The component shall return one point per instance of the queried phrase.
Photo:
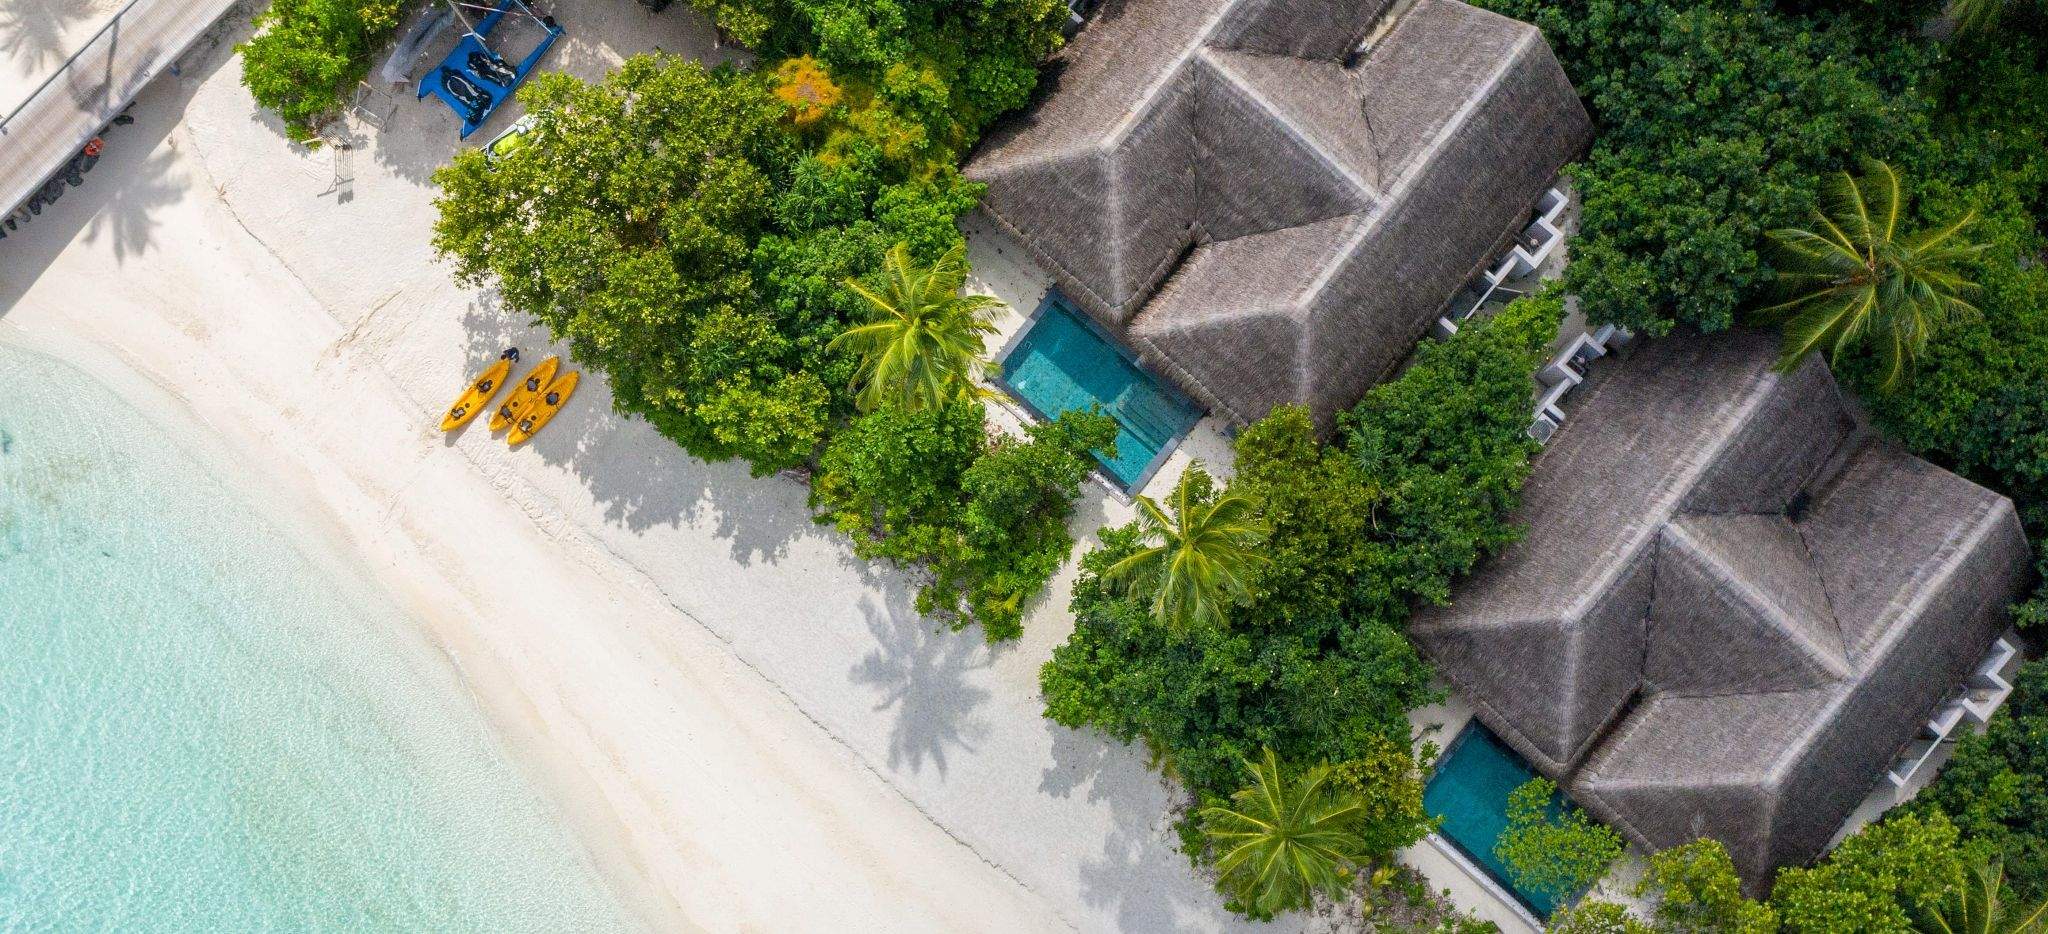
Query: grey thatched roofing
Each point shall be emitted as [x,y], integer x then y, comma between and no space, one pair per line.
[1734,606]
[1262,223]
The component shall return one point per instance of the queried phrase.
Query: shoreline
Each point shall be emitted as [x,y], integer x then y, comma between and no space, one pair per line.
[654,744]
[747,725]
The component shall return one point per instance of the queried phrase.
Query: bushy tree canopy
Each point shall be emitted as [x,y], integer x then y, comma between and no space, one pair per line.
[307,56]
[1550,845]
[1314,664]
[985,516]
[1715,120]
[1995,787]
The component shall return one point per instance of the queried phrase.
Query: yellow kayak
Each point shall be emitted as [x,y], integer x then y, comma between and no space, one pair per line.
[543,409]
[523,395]
[473,400]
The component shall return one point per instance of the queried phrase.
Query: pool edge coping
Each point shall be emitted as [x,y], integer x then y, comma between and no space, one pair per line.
[1000,379]
[1462,857]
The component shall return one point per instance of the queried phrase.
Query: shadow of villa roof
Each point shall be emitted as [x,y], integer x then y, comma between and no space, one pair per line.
[1211,182]
[1733,607]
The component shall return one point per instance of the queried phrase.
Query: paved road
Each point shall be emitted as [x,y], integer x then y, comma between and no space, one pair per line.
[52,125]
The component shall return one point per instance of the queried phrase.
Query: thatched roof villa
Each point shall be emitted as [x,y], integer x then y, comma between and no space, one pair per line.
[1734,606]
[1271,200]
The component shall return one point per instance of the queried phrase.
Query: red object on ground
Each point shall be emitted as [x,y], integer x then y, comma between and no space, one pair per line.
[93,148]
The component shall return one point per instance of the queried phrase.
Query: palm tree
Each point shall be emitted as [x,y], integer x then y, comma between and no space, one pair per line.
[1977,906]
[922,347]
[1199,559]
[1281,841]
[1854,279]
[1978,17]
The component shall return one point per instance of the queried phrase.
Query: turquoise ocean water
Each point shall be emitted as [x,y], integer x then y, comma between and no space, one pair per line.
[203,728]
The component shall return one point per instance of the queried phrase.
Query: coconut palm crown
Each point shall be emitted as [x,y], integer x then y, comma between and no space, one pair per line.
[1280,840]
[1977,905]
[1199,557]
[1853,279]
[923,346]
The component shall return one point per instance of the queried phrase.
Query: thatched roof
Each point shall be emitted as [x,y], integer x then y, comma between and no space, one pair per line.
[1734,606]
[1211,182]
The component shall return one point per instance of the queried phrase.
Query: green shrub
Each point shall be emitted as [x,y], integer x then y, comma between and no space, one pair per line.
[308,55]
[1550,845]
[1697,891]
[987,519]
[1316,666]
[1714,121]
[1995,787]
[1596,917]
[1876,882]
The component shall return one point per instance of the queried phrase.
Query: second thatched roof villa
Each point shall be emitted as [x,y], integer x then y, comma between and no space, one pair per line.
[1736,607]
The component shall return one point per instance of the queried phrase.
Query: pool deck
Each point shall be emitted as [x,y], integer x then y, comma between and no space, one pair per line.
[1002,269]
[1465,884]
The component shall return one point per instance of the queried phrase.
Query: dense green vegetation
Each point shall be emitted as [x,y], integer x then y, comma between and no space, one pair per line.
[1551,846]
[987,517]
[923,345]
[1196,561]
[1311,660]
[945,67]
[1715,121]
[765,264]
[308,55]
[1904,875]
[1995,788]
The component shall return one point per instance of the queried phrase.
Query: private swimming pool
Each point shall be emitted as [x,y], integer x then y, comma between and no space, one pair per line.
[1469,791]
[1060,362]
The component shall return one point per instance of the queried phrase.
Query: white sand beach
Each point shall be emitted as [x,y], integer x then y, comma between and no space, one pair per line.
[748,727]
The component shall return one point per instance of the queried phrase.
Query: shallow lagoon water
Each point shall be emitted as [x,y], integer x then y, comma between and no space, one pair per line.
[206,728]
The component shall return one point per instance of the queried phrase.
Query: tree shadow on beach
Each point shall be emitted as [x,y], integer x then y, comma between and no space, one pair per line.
[35,34]
[642,480]
[1140,872]
[920,672]
[122,196]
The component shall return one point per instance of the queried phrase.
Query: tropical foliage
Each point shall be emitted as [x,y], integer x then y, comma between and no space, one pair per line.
[1550,845]
[1853,278]
[1596,917]
[1697,892]
[923,345]
[1313,663]
[985,516]
[1196,561]
[1884,879]
[1995,787]
[947,66]
[308,55]
[1980,903]
[1715,121]
[1284,838]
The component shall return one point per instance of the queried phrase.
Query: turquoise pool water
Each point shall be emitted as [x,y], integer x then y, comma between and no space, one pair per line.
[1061,364]
[1469,791]
[205,729]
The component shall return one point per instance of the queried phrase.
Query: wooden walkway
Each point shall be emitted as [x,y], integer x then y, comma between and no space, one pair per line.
[56,121]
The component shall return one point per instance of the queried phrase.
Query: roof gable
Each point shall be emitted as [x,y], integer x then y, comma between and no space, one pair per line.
[1176,125]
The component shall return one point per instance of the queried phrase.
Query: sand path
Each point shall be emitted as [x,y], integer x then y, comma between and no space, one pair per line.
[750,727]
